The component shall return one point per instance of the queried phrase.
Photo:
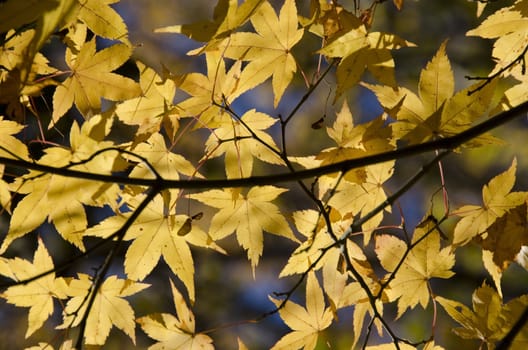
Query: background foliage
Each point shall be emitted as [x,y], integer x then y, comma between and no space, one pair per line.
[263,174]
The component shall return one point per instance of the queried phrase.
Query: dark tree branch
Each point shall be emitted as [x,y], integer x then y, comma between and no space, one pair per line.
[447,143]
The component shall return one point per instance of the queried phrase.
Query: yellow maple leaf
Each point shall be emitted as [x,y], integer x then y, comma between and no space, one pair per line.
[497,200]
[233,139]
[311,225]
[425,260]
[306,323]
[59,198]
[509,25]
[10,146]
[247,215]
[490,320]
[91,79]
[359,49]
[506,236]
[153,106]
[353,199]
[102,19]
[5,194]
[157,233]
[435,112]
[66,345]
[37,295]
[109,308]
[504,240]
[354,141]
[175,332]
[209,92]
[167,163]
[269,49]
[228,16]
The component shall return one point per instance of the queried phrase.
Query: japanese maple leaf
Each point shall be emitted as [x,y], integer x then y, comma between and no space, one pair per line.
[92,78]
[358,50]
[175,332]
[497,200]
[509,26]
[247,215]
[10,146]
[355,199]
[504,240]
[156,233]
[269,49]
[209,92]
[425,260]
[167,163]
[436,111]
[153,106]
[102,19]
[61,199]
[306,323]
[109,308]
[228,16]
[37,295]
[236,142]
[490,320]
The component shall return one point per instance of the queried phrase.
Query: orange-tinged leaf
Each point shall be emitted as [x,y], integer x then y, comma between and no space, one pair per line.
[91,79]
[37,295]
[109,308]
[175,332]
[398,4]
[248,215]
[304,322]
[497,199]
[425,260]
[269,49]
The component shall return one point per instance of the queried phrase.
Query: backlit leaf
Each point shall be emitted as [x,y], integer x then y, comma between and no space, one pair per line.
[307,322]
[109,308]
[37,295]
[92,78]
[174,332]
[425,260]
[248,215]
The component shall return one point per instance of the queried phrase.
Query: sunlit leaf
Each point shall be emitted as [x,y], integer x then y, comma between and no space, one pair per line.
[175,332]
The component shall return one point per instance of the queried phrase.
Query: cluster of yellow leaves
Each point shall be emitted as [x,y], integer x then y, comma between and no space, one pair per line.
[490,320]
[499,225]
[437,111]
[245,45]
[411,268]
[306,323]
